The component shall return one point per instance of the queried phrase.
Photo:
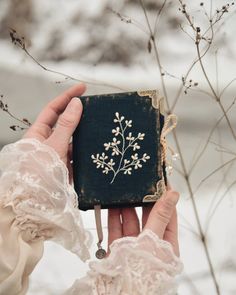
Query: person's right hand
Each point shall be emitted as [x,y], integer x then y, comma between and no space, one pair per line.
[56,123]
[161,219]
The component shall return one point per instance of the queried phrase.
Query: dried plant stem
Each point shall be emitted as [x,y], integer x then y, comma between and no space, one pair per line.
[217,98]
[213,206]
[153,40]
[185,78]
[20,42]
[213,172]
[199,226]
[158,16]
[186,176]
[208,139]
[19,120]
[219,202]
[69,77]
[4,107]
[226,87]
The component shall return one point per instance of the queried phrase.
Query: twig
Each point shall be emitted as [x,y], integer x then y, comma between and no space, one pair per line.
[215,94]
[128,20]
[226,87]
[20,42]
[186,176]
[198,38]
[4,107]
[219,202]
[158,17]
[213,172]
[208,139]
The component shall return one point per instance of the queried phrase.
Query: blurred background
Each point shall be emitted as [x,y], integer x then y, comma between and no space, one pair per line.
[117,46]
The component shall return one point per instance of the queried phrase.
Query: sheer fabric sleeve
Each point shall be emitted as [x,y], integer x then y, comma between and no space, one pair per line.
[136,266]
[37,203]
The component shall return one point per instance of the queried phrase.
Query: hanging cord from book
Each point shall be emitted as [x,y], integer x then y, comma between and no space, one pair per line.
[169,125]
[100,253]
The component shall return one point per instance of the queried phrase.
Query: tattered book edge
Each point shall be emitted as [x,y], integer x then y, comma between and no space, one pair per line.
[160,190]
[157,103]
[157,99]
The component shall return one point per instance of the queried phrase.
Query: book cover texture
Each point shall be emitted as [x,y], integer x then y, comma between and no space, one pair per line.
[116,151]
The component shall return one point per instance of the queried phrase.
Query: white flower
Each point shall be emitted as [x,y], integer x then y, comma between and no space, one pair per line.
[115,142]
[136,146]
[115,151]
[117,119]
[134,157]
[128,171]
[106,170]
[126,161]
[128,123]
[103,157]
[95,159]
[116,131]
[145,157]
[141,136]
[138,165]
[107,146]
[111,163]
[130,137]
[99,164]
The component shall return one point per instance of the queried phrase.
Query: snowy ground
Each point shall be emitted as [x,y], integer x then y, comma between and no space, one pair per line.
[27,88]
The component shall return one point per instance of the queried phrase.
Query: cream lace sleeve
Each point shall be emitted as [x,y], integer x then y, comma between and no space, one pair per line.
[136,266]
[37,203]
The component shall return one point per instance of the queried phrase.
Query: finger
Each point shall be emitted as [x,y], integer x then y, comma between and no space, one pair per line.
[66,124]
[130,222]
[168,186]
[50,114]
[114,226]
[161,213]
[171,233]
[70,152]
[145,213]
[69,166]
[41,129]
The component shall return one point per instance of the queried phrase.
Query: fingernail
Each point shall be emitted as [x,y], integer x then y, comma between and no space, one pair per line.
[75,105]
[172,196]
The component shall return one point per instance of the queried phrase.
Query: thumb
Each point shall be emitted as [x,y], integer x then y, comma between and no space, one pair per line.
[162,212]
[66,124]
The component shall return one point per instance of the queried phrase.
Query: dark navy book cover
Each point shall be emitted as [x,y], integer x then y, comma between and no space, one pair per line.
[117,152]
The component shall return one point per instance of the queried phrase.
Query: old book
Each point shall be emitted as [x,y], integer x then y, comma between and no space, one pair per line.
[117,155]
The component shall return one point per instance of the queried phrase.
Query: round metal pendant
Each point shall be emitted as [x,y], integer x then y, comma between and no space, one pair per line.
[100,253]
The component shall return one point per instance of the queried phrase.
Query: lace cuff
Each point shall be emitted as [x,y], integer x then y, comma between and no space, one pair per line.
[34,182]
[142,265]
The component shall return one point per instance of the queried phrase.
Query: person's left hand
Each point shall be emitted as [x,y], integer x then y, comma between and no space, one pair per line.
[65,112]
[161,219]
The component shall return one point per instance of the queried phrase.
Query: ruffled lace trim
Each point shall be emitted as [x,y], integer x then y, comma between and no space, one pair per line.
[142,265]
[35,183]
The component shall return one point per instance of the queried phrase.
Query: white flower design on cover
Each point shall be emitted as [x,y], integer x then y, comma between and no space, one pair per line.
[120,144]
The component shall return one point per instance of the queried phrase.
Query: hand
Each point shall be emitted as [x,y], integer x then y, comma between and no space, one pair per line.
[161,219]
[65,112]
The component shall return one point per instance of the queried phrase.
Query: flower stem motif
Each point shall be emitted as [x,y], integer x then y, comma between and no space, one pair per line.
[120,144]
